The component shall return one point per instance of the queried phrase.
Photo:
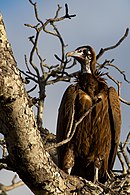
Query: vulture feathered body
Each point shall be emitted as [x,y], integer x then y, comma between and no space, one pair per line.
[96,138]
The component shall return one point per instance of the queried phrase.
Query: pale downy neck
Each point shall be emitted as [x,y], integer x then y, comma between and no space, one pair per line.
[85,68]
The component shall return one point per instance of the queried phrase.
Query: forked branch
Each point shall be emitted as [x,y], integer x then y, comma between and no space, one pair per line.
[14,185]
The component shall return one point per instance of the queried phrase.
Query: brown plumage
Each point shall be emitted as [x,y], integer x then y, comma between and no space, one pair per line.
[94,144]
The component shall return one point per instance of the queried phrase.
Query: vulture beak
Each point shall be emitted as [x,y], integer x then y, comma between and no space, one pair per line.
[74,54]
[70,54]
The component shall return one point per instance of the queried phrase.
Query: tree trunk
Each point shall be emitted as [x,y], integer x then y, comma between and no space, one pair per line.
[17,123]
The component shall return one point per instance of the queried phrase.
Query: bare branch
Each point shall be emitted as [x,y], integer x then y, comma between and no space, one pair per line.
[32,53]
[124,151]
[31,2]
[32,89]
[72,65]
[124,101]
[124,169]
[65,78]
[126,141]
[38,54]
[42,80]
[14,185]
[26,63]
[102,51]
[28,77]
[67,12]
[118,85]
[36,11]
[58,10]
[109,64]
[122,154]
[55,19]
[73,128]
[61,41]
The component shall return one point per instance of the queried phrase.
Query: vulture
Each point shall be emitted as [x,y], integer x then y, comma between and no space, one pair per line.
[92,150]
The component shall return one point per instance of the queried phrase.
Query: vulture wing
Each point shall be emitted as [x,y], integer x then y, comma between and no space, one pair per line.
[74,104]
[65,119]
[115,118]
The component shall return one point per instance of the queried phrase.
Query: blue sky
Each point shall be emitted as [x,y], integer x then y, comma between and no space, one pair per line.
[98,23]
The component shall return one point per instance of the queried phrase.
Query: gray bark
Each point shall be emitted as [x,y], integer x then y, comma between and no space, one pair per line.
[17,123]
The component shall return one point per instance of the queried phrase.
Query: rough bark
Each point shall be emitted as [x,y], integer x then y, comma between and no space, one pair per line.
[17,122]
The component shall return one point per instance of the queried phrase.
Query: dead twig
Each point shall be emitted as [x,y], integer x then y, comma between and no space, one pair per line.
[32,89]
[102,51]
[124,150]
[123,156]
[14,185]
[108,63]
[73,128]
[118,85]
[124,169]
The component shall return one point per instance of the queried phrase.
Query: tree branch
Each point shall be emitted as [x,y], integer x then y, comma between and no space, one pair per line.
[122,150]
[4,188]
[118,85]
[42,80]
[73,127]
[102,51]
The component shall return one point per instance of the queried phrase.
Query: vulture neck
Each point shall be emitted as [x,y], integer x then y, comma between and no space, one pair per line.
[88,80]
[85,68]
[88,67]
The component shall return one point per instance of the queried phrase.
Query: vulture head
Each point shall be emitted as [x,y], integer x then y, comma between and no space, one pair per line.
[86,56]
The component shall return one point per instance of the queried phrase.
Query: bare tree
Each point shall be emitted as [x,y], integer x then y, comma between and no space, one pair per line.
[28,148]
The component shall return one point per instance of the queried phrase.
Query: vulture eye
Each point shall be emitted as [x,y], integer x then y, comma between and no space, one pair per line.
[89,55]
[79,51]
